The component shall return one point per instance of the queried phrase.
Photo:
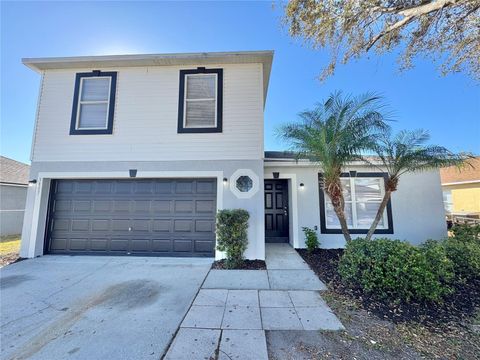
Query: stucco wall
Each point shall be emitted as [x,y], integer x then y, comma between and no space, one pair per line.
[417,206]
[12,206]
[35,216]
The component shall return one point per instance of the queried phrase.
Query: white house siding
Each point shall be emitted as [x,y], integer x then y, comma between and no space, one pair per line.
[417,206]
[145,119]
[37,199]
[12,207]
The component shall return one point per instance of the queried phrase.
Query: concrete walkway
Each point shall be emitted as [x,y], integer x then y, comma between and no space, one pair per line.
[232,310]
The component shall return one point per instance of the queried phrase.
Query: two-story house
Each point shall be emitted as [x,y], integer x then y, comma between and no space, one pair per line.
[134,155]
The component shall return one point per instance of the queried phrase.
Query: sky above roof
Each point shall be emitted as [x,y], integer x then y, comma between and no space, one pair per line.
[449,107]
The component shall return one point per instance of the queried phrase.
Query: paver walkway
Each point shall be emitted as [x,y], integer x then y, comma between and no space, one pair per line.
[232,310]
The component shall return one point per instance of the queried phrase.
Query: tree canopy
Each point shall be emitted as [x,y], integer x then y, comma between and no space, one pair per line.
[447,31]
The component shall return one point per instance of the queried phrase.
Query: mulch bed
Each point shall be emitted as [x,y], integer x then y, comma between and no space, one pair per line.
[9,259]
[246,265]
[458,307]
[406,331]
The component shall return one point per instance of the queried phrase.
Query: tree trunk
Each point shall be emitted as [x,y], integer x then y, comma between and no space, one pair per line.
[340,211]
[379,215]
[335,193]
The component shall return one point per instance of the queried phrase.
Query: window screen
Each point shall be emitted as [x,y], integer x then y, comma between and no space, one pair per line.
[93,103]
[200,100]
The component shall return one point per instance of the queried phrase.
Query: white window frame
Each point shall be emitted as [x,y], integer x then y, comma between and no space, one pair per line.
[447,200]
[353,201]
[82,102]
[185,100]
[255,183]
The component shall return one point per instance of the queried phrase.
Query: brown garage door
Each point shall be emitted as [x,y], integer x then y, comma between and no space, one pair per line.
[161,217]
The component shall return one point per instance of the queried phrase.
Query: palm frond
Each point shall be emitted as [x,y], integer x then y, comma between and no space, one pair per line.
[337,131]
[407,152]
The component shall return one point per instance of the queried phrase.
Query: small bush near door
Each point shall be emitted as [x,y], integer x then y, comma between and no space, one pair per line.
[232,237]
[311,239]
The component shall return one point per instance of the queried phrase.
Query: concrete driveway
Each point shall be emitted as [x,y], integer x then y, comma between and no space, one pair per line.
[85,307]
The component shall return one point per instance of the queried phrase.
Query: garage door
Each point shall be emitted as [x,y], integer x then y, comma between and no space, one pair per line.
[161,217]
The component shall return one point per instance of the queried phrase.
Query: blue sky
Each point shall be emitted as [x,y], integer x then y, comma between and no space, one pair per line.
[449,107]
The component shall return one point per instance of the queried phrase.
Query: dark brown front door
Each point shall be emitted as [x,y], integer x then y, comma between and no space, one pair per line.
[276,211]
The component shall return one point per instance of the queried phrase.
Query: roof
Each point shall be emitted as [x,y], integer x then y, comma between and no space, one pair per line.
[264,57]
[280,155]
[290,156]
[466,174]
[13,172]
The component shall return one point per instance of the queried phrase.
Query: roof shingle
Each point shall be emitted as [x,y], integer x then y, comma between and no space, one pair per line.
[13,172]
[467,174]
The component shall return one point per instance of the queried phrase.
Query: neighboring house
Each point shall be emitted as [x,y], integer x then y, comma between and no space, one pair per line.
[134,154]
[13,193]
[461,189]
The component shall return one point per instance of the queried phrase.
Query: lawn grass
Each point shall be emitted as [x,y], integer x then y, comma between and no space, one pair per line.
[9,244]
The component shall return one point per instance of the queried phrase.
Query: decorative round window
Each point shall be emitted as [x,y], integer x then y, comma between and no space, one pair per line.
[244,183]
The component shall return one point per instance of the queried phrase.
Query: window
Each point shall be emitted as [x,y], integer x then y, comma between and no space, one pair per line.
[93,103]
[363,194]
[447,201]
[244,183]
[200,101]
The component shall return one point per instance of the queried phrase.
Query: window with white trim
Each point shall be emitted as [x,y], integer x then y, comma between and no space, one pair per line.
[92,111]
[200,102]
[363,195]
[93,103]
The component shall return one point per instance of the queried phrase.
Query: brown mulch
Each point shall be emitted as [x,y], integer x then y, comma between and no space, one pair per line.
[436,331]
[246,265]
[458,307]
[9,259]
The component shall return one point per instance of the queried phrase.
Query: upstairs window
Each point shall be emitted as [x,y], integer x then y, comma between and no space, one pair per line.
[363,194]
[200,101]
[93,103]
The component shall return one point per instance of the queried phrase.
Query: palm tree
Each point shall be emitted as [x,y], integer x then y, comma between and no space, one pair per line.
[335,134]
[407,152]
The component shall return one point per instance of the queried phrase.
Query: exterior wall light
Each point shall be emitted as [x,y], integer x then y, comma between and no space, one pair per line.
[302,185]
[32,182]
[133,173]
[225,180]
[276,175]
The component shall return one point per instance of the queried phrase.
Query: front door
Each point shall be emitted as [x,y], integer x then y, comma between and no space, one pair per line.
[276,211]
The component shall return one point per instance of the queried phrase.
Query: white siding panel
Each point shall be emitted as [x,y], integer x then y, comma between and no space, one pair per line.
[145,121]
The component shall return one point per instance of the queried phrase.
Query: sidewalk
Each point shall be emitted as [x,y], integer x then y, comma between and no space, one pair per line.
[232,310]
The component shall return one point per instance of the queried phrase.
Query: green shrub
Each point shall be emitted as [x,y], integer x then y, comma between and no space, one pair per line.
[466,232]
[465,256]
[232,238]
[311,239]
[396,271]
